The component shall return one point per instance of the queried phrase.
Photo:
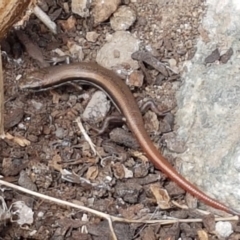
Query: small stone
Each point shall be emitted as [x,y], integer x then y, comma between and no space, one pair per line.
[128,191]
[75,50]
[214,56]
[135,79]
[97,108]
[80,7]
[68,24]
[37,105]
[60,133]
[92,36]
[125,44]
[102,10]
[32,138]
[224,229]
[123,18]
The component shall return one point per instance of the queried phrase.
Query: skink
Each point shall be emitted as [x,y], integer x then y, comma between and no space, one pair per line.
[120,94]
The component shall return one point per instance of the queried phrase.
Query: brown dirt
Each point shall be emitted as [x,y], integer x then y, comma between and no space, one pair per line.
[47,120]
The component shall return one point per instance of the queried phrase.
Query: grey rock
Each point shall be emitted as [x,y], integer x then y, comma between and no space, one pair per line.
[209,111]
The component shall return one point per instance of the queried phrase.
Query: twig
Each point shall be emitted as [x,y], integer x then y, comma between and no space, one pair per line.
[62,202]
[87,138]
[42,16]
[108,217]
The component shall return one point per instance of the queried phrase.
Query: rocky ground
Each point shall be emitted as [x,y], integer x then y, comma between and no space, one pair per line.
[147,42]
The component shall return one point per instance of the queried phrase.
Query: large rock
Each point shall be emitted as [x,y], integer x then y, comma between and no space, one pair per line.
[209,112]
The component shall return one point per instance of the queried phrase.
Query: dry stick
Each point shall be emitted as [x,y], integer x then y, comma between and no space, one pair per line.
[2,135]
[62,202]
[85,135]
[42,16]
[108,217]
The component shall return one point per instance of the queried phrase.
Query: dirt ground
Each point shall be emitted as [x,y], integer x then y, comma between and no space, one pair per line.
[119,181]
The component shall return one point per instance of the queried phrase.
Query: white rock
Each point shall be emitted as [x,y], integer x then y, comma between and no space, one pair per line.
[128,173]
[97,107]
[123,18]
[125,44]
[80,7]
[92,36]
[102,10]
[75,50]
[37,105]
[224,229]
